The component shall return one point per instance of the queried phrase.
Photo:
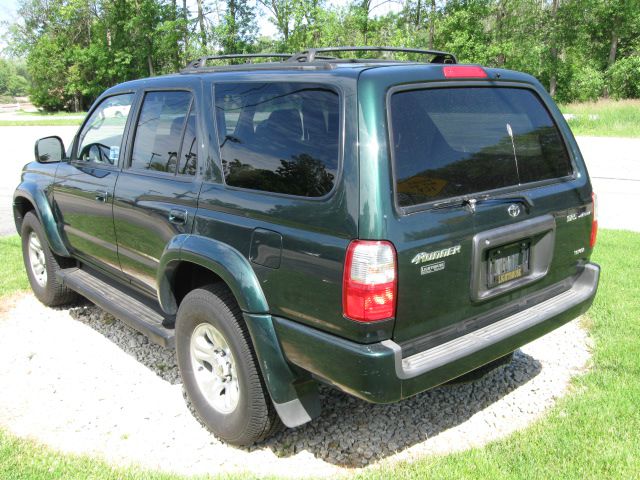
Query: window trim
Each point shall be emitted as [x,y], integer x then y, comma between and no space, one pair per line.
[73,158]
[341,138]
[133,130]
[408,210]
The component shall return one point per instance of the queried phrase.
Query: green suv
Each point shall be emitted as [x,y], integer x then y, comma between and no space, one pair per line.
[381,226]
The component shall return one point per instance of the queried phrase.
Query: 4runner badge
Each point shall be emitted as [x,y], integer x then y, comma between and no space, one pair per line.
[428,256]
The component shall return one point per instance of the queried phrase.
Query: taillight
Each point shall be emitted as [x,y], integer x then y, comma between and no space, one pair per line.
[369,286]
[594,221]
[464,71]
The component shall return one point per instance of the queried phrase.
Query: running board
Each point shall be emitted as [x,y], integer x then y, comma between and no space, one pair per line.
[119,302]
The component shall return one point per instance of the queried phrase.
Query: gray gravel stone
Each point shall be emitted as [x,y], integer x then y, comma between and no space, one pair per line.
[118,396]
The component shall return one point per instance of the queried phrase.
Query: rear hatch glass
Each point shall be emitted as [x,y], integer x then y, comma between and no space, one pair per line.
[450,142]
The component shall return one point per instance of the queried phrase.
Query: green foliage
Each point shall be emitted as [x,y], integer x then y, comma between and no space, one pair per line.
[624,78]
[585,83]
[12,78]
[579,49]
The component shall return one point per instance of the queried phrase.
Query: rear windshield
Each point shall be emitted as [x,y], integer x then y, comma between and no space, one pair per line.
[449,142]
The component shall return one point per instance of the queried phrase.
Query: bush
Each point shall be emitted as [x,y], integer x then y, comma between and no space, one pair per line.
[586,84]
[623,78]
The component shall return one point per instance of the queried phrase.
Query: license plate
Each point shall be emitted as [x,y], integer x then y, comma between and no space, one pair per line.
[508,263]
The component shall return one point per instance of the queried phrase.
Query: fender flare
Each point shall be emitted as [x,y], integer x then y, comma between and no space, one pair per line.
[32,193]
[294,393]
[225,261]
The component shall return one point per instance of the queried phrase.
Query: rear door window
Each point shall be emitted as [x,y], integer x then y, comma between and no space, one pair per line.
[159,133]
[278,137]
[449,142]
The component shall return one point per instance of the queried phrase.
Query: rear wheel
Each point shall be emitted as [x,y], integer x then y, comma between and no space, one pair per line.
[42,264]
[219,369]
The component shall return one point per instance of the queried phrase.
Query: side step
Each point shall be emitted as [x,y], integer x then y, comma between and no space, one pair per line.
[120,303]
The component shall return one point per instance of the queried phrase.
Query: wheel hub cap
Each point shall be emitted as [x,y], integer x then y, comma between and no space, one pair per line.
[37,260]
[214,368]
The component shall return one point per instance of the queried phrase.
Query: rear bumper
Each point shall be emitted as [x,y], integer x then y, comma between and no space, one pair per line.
[378,372]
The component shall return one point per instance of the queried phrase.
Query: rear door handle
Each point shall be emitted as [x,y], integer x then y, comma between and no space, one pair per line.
[102,196]
[179,217]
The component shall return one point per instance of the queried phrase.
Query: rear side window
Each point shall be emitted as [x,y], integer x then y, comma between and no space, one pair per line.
[159,133]
[449,142]
[278,137]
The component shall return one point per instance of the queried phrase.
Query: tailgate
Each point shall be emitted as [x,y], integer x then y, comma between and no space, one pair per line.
[492,207]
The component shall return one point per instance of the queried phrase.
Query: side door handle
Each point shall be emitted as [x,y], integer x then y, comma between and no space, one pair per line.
[178,217]
[102,196]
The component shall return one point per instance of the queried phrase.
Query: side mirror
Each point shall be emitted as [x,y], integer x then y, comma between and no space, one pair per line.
[49,150]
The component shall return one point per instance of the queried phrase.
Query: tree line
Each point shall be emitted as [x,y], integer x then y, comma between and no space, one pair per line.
[74,49]
[13,79]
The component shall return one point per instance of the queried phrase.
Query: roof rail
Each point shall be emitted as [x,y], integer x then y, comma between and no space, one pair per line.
[202,61]
[314,56]
[311,54]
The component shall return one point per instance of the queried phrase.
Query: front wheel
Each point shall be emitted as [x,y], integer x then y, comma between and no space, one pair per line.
[42,264]
[219,369]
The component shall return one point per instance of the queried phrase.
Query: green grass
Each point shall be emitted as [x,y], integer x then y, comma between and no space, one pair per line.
[605,118]
[53,122]
[52,114]
[594,432]
[13,276]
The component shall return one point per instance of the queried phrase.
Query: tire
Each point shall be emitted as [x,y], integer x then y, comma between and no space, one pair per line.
[42,264]
[215,356]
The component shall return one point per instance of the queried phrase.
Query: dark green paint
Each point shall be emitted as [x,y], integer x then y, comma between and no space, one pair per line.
[290,292]
[35,188]
[279,374]
[427,303]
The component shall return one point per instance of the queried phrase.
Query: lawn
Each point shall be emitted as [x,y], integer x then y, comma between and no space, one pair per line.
[49,119]
[605,118]
[593,432]
[47,122]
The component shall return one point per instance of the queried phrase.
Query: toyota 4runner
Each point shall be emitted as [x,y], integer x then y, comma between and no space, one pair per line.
[381,226]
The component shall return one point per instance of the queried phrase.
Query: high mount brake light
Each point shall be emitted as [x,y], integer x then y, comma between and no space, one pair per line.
[464,71]
[369,286]
[594,222]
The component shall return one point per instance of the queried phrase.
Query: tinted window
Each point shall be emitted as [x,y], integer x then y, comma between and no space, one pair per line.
[279,137]
[457,141]
[159,131]
[189,150]
[101,136]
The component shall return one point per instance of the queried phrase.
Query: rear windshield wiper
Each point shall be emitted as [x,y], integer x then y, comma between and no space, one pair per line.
[467,200]
[471,201]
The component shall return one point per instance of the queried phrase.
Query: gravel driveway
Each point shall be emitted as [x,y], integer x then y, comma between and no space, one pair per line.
[81,381]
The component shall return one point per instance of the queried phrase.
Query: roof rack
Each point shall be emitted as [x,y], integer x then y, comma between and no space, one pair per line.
[202,61]
[314,56]
[311,54]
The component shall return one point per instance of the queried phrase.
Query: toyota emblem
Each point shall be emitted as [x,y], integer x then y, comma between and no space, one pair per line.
[513,210]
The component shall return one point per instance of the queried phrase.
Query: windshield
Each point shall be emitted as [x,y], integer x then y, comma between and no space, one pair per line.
[449,142]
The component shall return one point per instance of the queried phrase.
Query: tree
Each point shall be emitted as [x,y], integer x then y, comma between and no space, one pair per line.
[238,27]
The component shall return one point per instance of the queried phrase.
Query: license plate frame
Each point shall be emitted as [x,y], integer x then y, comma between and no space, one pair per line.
[508,263]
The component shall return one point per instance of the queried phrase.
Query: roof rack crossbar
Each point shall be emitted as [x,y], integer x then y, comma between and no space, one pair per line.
[312,53]
[202,61]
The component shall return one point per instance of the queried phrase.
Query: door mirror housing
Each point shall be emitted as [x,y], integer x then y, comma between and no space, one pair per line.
[49,150]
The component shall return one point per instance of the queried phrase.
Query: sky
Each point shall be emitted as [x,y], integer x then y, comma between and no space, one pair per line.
[8,13]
